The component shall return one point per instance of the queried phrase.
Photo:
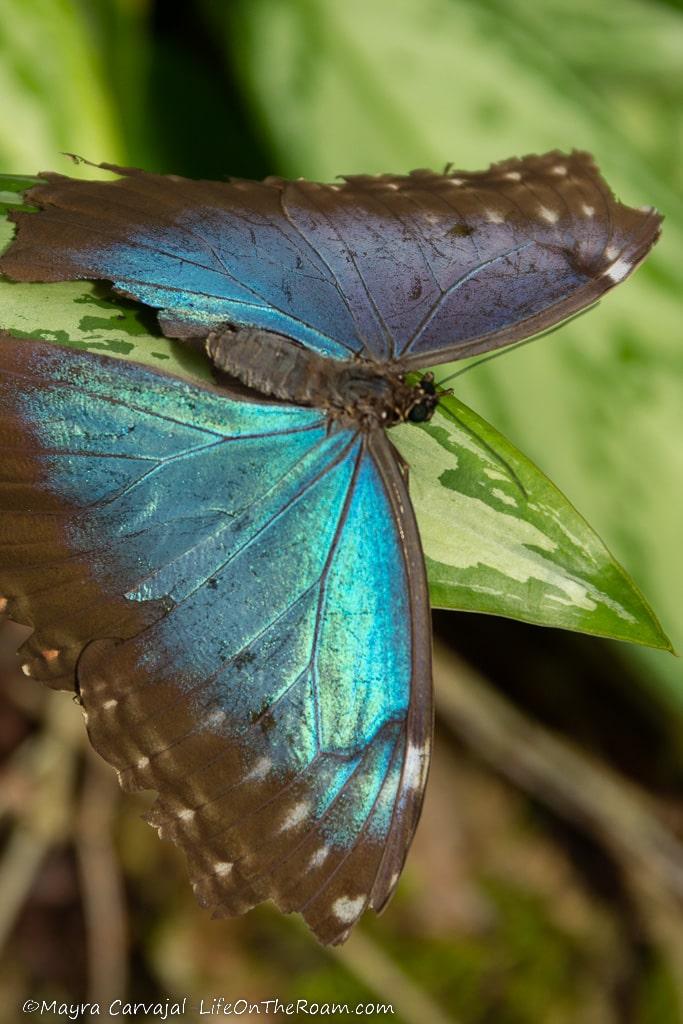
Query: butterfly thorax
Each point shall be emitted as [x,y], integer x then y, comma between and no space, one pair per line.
[353,392]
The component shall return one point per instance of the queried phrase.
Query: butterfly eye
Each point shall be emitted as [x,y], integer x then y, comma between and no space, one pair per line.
[420,412]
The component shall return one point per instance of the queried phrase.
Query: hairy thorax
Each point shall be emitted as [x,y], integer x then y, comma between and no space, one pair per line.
[352,391]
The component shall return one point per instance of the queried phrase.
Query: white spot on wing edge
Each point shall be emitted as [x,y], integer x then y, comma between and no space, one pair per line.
[109,705]
[186,815]
[552,216]
[494,217]
[513,176]
[455,181]
[347,909]
[319,857]
[415,766]
[296,815]
[260,770]
[26,669]
[588,210]
[618,270]
[215,718]
[559,169]
[222,868]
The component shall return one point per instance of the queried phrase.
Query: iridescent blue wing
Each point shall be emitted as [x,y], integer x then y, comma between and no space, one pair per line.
[243,592]
[419,269]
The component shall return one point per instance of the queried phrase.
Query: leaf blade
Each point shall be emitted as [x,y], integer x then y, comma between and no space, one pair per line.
[500,538]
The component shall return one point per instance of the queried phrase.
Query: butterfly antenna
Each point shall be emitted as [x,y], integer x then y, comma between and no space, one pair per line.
[512,348]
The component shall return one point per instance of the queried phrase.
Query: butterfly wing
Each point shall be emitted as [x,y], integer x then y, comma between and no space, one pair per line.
[500,255]
[204,253]
[419,269]
[244,594]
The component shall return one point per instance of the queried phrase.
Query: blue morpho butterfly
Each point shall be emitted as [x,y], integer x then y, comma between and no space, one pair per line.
[234,574]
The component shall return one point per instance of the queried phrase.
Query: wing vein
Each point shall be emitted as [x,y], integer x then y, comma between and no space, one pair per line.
[454,287]
[323,580]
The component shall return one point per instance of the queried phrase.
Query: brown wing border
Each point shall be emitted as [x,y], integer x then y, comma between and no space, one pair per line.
[420,720]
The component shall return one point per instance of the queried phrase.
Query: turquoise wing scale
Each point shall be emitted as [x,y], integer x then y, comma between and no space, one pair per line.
[240,591]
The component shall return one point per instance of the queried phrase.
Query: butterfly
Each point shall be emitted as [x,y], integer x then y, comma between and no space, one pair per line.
[230,574]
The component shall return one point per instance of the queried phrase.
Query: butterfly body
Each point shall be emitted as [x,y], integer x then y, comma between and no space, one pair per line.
[350,391]
[234,579]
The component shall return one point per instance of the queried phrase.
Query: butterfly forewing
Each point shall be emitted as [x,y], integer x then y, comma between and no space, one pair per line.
[420,269]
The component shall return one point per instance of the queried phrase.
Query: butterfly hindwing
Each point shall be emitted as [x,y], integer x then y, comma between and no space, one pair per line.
[265,667]
[420,269]
[94,484]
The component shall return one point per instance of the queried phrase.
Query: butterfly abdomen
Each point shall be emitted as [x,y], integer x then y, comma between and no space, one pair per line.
[353,391]
[269,363]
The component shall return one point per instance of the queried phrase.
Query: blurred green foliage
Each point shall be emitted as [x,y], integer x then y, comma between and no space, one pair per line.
[318,88]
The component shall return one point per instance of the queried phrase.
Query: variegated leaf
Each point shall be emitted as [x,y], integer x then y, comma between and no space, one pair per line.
[499,537]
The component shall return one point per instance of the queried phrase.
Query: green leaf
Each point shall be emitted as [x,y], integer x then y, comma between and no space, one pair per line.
[12,188]
[498,536]
[397,84]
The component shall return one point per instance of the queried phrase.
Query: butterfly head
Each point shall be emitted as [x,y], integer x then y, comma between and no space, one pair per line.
[370,398]
[425,400]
